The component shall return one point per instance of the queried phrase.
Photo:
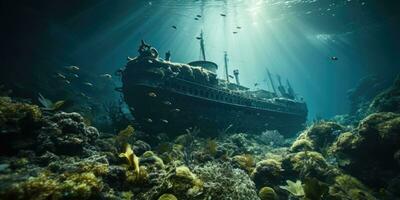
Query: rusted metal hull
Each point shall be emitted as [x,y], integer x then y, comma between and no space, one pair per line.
[172,112]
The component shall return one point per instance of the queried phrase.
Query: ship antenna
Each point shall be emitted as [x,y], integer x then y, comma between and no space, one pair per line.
[272,82]
[226,66]
[203,53]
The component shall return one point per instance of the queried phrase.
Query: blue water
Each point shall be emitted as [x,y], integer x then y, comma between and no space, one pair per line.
[295,39]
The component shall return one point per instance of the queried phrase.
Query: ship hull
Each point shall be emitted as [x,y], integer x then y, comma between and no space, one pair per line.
[160,109]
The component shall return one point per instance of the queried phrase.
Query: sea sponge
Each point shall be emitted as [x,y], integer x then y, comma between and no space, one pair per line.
[167,197]
[267,193]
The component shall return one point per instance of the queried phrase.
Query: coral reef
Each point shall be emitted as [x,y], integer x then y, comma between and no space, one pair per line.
[56,155]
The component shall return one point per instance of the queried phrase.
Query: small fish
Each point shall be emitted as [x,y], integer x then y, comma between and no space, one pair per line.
[255,84]
[107,76]
[198,16]
[84,95]
[88,84]
[67,82]
[164,121]
[72,68]
[75,75]
[59,75]
[150,61]
[199,38]
[223,15]
[334,58]
[235,32]
[174,27]
[176,110]
[168,103]
[152,94]
[238,27]
[149,120]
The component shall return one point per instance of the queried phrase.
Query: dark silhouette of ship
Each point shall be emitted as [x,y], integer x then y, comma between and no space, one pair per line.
[173,97]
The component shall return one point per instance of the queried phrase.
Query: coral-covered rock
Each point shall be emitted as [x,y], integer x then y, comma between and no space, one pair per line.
[369,153]
[18,123]
[318,137]
[306,164]
[66,133]
[267,173]
[222,181]
[139,147]
[389,100]
[347,187]
[302,145]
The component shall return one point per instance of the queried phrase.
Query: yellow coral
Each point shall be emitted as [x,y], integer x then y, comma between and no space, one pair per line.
[132,159]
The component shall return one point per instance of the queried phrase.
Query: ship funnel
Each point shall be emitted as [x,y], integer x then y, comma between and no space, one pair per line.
[236,73]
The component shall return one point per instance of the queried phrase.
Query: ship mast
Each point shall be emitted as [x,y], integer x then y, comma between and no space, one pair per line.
[226,66]
[203,53]
[272,82]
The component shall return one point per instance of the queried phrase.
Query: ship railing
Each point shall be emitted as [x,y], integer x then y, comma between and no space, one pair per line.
[228,96]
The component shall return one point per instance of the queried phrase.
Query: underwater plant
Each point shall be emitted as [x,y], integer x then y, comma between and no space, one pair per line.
[294,188]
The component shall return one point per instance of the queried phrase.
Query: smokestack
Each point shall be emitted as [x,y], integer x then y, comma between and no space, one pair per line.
[236,73]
